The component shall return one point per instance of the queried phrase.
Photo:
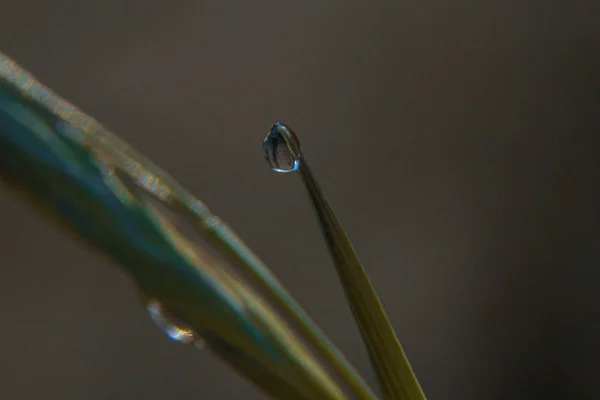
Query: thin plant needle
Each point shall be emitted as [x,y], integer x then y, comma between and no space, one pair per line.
[394,373]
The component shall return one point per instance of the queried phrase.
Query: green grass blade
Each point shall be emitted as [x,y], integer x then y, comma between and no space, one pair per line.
[394,373]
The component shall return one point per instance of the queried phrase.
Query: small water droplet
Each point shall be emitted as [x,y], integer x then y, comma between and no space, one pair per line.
[282,148]
[174,330]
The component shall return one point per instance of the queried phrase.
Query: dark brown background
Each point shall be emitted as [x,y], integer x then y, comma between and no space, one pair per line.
[456,140]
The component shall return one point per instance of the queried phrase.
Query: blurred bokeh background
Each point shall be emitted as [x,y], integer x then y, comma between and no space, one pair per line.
[458,141]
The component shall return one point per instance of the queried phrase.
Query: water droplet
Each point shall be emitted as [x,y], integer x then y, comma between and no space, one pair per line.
[282,148]
[174,330]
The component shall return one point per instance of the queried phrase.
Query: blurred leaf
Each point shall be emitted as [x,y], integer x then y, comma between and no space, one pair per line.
[102,191]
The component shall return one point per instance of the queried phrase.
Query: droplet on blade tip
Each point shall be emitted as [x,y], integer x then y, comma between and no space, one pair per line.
[282,148]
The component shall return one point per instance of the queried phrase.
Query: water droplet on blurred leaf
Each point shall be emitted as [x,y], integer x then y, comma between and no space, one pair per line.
[173,329]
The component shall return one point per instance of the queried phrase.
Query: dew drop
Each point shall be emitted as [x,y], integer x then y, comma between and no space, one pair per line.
[174,330]
[282,148]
